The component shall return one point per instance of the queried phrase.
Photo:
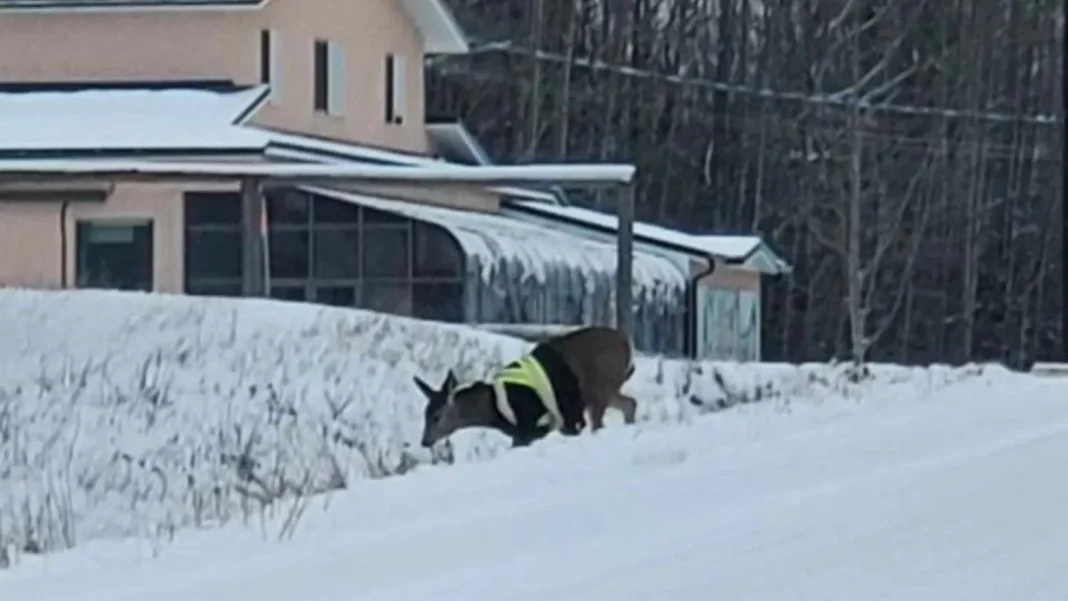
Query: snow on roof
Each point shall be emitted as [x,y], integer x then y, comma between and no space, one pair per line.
[284,142]
[129,119]
[296,146]
[731,248]
[493,237]
[454,139]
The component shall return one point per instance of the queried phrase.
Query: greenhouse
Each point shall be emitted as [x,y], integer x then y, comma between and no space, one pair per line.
[488,268]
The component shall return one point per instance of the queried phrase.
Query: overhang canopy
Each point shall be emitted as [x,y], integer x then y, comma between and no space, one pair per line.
[294,173]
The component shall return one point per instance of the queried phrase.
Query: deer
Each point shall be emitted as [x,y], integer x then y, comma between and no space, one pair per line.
[550,389]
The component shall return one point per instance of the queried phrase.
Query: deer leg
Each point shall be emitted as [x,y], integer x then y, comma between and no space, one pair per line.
[597,409]
[627,405]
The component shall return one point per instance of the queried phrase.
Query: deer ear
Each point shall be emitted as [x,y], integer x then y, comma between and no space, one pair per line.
[423,386]
[450,381]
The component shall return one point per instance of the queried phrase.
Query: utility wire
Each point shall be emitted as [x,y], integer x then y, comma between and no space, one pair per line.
[836,100]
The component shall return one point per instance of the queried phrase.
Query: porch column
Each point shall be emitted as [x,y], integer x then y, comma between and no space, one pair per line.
[625,261]
[253,238]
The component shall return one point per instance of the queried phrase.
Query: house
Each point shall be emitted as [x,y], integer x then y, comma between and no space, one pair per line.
[278,83]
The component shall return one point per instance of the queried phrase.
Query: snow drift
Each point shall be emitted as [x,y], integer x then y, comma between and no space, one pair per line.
[132,414]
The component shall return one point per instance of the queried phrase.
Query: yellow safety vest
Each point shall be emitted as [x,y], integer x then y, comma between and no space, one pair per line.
[528,372]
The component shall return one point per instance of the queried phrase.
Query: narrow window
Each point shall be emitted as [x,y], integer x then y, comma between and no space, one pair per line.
[389,89]
[269,60]
[321,73]
[395,97]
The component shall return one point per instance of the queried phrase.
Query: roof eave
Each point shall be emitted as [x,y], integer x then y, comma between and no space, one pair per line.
[441,32]
[597,227]
[762,260]
[472,145]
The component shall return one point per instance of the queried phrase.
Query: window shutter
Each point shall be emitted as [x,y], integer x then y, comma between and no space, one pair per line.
[336,85]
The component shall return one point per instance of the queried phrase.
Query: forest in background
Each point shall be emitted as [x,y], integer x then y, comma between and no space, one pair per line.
[903,155]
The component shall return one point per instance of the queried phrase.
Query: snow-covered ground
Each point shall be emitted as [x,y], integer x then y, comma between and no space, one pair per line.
[159,416]
[955,496]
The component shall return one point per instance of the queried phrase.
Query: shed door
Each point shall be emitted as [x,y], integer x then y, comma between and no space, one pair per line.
[727,324]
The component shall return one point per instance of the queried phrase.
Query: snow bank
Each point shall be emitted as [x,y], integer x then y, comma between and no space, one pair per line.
[132,414]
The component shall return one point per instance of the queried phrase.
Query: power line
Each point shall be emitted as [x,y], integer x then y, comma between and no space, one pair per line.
[749,122]
[835,100]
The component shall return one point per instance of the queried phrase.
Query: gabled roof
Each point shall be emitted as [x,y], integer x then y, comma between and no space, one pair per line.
[748,251]
[440,31]
[140,121]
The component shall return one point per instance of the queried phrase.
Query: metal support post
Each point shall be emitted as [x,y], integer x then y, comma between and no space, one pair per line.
[625,262]
[253,239]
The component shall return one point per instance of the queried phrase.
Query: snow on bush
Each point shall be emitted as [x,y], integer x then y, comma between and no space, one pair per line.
[135,414]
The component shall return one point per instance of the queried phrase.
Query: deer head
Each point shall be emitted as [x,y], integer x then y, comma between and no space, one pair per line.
[450,408]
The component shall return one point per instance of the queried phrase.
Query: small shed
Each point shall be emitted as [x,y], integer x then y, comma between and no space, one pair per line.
[724,275]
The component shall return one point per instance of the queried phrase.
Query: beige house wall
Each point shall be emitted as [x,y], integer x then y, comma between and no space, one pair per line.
[726,276]
[31,244]
[216,44]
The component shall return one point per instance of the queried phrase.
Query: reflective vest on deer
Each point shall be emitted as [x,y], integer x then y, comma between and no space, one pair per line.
[528,373]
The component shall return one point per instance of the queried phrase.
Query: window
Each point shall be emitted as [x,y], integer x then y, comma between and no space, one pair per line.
[435,253]
[337,253]
[337,296]
[387,297]
[212,208]
[287,207]
[385,252]
[213,254]
[372,216]
[114,255]
[269,60]
[329,72]
[396,78]
[336,212]
[290,254]
[440,301]
[322,72]
[208,288]
[290,293]
[213,246]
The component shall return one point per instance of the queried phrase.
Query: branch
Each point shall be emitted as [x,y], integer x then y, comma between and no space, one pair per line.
[910,193]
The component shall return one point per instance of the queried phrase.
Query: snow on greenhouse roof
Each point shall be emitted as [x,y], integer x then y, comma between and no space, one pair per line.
[494,237]
[750,251]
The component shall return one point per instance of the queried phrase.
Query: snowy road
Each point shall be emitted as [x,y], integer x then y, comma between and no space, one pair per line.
[965,499]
